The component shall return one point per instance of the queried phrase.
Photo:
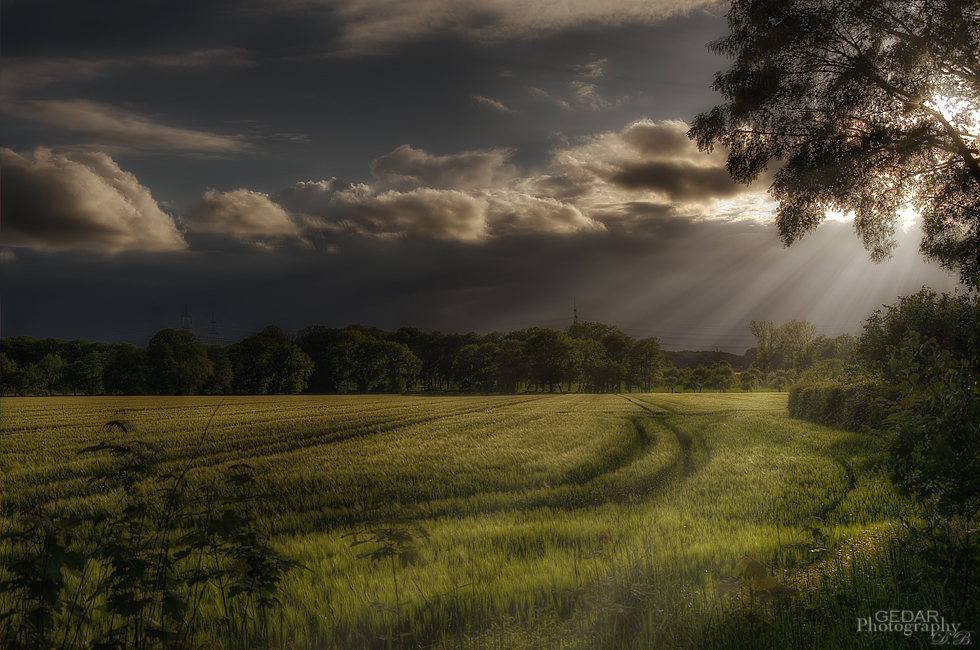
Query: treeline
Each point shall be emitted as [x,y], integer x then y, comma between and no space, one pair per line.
[585,357]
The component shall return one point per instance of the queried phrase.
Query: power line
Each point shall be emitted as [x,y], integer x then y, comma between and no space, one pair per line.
[212,331]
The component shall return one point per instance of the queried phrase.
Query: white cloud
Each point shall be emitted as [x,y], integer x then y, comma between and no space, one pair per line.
[495,104]
[544,95]
[105,124]
[592,70]
[583,91]
[241,213]
[80,202]
[468,217]
[405,168]
[587,95]
[518,213]
[447,215]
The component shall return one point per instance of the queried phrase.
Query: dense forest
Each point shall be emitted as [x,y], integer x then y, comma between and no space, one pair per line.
[585,357]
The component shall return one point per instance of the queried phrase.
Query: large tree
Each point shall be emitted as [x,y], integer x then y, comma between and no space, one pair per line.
[269,363]
[858,105]
[179,363]
[765,344]
[549,357]
[476,367]
[645,361]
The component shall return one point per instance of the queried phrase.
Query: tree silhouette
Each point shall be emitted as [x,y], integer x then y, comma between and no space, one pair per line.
[863,105]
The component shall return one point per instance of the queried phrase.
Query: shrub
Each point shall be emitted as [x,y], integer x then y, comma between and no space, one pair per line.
[853,406]
[935,447]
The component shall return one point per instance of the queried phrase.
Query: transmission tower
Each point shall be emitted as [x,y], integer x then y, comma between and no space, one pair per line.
[212,331]
[185,320]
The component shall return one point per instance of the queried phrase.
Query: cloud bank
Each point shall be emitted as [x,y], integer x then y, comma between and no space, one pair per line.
[645,180]
[628,180]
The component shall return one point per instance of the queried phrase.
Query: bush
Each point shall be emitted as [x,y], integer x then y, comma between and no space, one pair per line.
[853,406]
[935,435]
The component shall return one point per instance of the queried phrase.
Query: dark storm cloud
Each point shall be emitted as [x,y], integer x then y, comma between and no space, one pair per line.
[80,201]
[649,159]
[59,26]
[659,139]
[680,181]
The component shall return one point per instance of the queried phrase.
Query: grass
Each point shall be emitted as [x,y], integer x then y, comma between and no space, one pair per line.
[551,521]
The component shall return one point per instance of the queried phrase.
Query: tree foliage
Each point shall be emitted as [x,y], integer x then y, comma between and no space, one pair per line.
[549,358]
[859,105]
[935,448]
[949,319]
[645,362]
[127,371]
[179,362]
[269,362]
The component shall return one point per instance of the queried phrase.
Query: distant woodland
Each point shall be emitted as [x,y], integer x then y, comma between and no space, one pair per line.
[585,357]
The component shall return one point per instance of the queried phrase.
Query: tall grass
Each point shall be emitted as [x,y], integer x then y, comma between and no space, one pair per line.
[551,521]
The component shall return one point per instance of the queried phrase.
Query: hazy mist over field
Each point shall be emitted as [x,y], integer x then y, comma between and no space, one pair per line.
[480,167]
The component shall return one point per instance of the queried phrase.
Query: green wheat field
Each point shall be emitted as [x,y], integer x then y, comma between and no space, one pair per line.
[538,521]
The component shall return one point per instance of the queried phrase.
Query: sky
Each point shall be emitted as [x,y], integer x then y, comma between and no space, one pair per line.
[450,165]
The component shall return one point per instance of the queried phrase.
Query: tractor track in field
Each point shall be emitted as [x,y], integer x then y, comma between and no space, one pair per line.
[683,439]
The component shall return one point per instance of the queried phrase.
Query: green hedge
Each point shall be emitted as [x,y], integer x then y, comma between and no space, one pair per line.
[852,406]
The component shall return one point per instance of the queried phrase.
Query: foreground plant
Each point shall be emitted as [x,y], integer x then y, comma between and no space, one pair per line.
[395,533]
[139,575]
